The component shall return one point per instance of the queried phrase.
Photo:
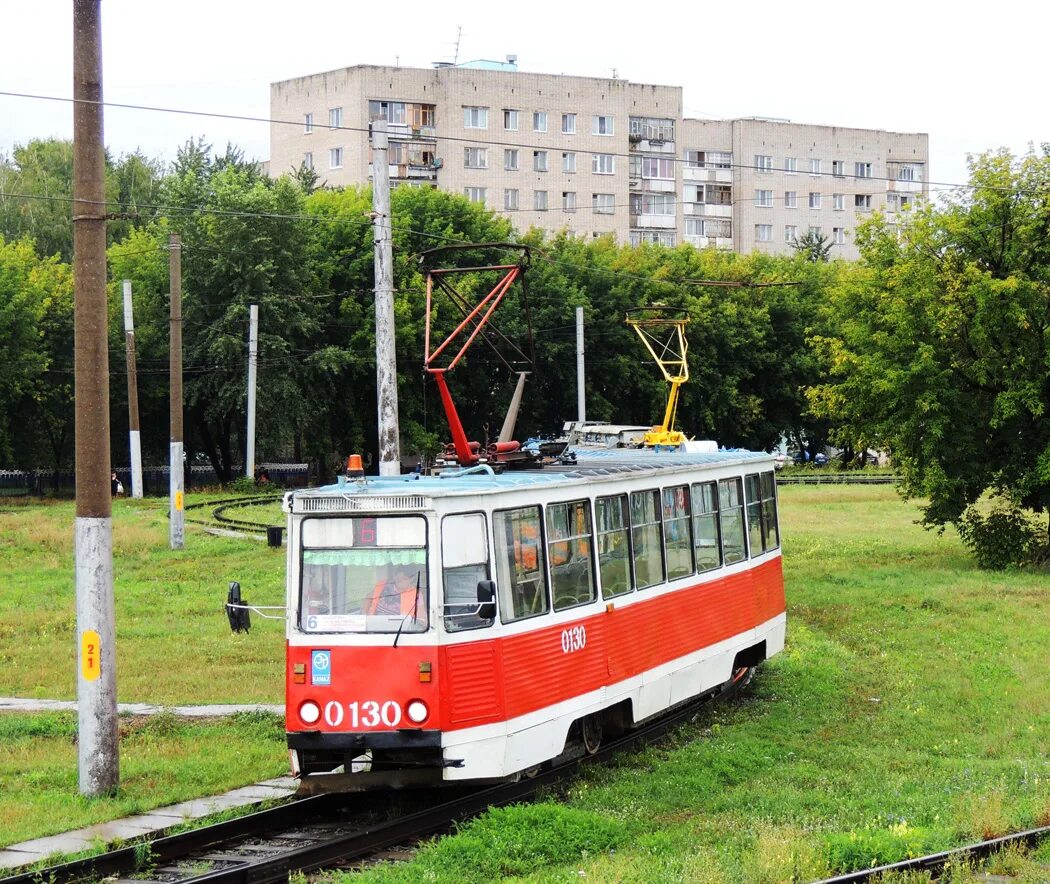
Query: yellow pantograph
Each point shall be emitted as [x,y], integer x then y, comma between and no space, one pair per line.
[665,340]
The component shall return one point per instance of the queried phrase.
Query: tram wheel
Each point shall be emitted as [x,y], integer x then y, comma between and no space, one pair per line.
[591,731]
[741,677]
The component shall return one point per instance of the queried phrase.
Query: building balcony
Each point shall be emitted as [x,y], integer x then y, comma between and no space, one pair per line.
[698,173]
[904,186]
[702,242]
[639,144]
[653,222]
[652,185]
[708,210]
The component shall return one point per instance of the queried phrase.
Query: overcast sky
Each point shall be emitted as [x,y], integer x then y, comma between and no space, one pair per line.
[971,75]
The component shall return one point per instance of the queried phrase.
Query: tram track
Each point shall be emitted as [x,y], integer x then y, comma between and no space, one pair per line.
[307,834]
[219,508]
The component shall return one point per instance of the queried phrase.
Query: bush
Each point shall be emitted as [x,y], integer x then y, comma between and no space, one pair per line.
[1004,538]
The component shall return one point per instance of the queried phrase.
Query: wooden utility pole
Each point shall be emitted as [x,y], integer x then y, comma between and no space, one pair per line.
[386,359]
[176,484]
[253,368]
[97,734]
[133,395]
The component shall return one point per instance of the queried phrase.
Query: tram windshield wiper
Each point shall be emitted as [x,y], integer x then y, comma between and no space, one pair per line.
[415,609]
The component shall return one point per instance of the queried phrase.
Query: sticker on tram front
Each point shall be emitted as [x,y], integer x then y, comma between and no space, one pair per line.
[320,668]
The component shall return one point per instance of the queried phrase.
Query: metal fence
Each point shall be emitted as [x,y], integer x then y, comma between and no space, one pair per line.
[62,483]
[838,479]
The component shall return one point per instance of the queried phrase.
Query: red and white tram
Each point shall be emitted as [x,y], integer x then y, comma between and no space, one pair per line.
[472,625]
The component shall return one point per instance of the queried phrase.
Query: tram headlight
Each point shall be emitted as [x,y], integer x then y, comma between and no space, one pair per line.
[309,712]
[417,711]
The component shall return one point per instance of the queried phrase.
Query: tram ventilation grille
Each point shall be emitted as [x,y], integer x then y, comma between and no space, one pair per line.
[345,503]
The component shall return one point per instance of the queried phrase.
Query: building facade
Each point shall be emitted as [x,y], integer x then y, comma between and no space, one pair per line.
[597,156]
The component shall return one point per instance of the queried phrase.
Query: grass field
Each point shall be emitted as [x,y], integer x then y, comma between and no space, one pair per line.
[910,712]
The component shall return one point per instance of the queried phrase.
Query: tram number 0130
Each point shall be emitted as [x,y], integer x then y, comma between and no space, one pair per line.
[573,639]
[368,713]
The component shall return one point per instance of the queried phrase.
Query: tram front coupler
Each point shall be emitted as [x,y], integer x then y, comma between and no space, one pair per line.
[237,609]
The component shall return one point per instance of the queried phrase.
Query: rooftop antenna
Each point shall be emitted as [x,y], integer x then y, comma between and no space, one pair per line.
[459,36]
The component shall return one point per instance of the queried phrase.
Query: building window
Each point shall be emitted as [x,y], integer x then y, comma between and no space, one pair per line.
[335,117]
[568,200]
[709,159]
[568,124]
[839,234]
[790,233]
[838,201]
[838,168]
[510,120]
[862,201]
[539,160]
[308,160]
[907,172]
[603,164]
[655,129]
[652,204]
[710,227]
[791,165]
[539,200]
[602,203]
[764,198]
[335,158]
[898,202]
[568,162]
[790,199]
[862,170]
[510,199]
[814,167]
[510,159]
[655,237]
[764,233]
[602,125]
[475,117]
[657,167]
[815,231]
[763,163]
[539,121]
[475,158]
[474,194]
[711,194]
[308,123]
[814,199]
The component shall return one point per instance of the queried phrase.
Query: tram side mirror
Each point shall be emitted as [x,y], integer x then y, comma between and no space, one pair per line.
[237,610]
[486,600]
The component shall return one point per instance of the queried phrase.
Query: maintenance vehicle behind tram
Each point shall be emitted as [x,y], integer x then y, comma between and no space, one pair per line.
[476,625]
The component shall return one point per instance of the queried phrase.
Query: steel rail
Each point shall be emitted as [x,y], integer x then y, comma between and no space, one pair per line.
[936,862]
[341,847]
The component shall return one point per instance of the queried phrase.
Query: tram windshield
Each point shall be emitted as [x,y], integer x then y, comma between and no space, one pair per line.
[364,575]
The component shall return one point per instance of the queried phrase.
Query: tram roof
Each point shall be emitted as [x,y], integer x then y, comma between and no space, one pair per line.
[592,465]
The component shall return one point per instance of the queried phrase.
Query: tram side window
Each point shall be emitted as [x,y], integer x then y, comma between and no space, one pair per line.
[731,520]
[569,554]
[465,563]
[678,537]
[646,530]
[520,580]
[705,527]
[614,545]
[769,510]
[762,512]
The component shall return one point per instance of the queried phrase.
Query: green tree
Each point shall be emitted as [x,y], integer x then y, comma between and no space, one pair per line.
[813,246]
[941,353]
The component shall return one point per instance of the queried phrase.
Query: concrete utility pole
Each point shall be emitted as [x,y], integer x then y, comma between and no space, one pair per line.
[386,360]
[253,361]
[98,740]
[133,395]
[581,392]
[176,483]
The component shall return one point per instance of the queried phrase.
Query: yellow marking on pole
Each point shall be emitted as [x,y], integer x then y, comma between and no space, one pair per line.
[178,501]
[90,655]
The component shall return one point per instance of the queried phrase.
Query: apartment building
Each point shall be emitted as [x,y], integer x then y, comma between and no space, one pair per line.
[596,156]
